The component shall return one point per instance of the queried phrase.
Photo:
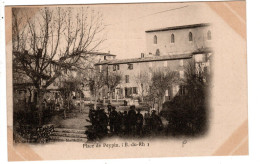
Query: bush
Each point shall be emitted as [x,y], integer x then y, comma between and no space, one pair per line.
[185,118]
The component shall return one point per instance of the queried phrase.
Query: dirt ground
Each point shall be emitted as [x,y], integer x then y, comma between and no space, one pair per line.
[74,120]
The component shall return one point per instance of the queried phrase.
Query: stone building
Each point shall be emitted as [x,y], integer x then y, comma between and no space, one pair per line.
[178,39]
[170,48]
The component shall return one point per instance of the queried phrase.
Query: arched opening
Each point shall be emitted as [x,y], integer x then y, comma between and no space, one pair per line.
[190,37]
[172,38]
[209,35]
[155,39]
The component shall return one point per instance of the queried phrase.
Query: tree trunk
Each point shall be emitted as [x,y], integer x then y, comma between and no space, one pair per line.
[116,94]
[79,102]
[39,105]
[159,106]
[69,101]
[95,102]
[110,95]
[90,99]
[142,95]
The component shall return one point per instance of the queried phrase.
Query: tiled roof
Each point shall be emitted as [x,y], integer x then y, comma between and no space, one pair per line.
[179,27]
[146,59]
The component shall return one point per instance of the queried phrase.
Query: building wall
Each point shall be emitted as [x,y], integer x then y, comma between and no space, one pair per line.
[148,68]
[181,43]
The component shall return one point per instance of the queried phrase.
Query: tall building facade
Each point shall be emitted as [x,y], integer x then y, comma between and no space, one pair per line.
[178,39]
[170,48]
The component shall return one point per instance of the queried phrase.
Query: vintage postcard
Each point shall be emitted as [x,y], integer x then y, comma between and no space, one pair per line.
[135,80]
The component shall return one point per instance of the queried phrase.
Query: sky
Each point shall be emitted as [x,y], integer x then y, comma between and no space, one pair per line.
[126,23]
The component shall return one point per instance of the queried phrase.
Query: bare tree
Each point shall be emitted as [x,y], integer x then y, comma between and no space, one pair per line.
[160,82]
[113,79]
[73,82]
[96,82]
[143,81]
[53,41]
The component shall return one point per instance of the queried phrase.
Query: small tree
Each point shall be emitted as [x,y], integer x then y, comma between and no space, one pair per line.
[143,82]
[197,83]
[160,82]
[72,83]
[189,113]
[96,82]
[113,80]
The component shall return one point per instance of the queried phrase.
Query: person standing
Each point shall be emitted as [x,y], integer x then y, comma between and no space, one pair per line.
[103,121]
[112,119]
[139,123]
[156,122]
[125,127]
[109,107]
[132,120]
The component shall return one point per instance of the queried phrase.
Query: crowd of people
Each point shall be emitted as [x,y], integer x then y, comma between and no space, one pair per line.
[127,123]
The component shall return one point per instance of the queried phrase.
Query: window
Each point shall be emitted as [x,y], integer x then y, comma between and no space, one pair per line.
[157,53]
[128,92]
[182,90]
[155,39]
[167,93]
[135,90]
[205,69]
[105,57]
[172,38]
[113,94]
[181,63]
[190,37]
[100,68]
[115,67]
[130,66]
[209,35]
[126,78]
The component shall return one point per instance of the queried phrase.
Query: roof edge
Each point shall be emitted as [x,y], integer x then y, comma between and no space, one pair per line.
[179,27]
[148,59]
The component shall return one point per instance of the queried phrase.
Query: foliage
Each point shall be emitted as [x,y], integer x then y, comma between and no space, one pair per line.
[143,81]
[28,133]
[160,82]
[96,81]
[113,79]
[188,114]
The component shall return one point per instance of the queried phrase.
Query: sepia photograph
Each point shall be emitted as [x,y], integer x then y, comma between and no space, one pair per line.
[139,76]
